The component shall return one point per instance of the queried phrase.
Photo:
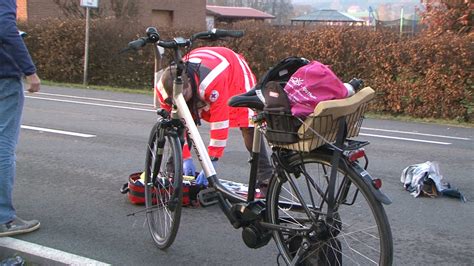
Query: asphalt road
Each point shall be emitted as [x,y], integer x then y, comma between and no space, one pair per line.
[71,183]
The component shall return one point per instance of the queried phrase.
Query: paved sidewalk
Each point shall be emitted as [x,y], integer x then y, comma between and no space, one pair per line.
[40,255]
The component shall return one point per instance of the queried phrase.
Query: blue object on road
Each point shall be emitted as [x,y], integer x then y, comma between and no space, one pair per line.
[201,178]
[188,167]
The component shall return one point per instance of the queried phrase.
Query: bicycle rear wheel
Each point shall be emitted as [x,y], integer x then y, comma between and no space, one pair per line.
[163,185]
[358,234]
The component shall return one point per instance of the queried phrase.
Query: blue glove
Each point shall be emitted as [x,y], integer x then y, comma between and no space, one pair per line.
[201,178]
[188,167]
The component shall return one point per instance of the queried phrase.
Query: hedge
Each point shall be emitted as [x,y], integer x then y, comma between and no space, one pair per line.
[421,76]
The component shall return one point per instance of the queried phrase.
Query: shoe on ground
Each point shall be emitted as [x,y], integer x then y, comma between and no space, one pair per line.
[18,226]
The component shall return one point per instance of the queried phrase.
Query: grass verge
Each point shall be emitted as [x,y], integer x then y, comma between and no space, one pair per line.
[405,118]
[97,87]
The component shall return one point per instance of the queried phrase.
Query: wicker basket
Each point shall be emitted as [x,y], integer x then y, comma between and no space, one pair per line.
[319,128]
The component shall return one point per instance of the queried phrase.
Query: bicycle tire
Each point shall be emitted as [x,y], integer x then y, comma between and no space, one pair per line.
[163,198]
[359,233]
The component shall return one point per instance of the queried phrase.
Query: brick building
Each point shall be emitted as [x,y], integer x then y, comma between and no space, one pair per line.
[175,13]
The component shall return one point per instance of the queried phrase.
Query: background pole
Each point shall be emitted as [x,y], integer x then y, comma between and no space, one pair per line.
[86,49]
[401,22]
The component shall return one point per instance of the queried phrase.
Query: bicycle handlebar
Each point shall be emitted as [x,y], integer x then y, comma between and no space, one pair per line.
[215,34]
[179,42]
[137,44]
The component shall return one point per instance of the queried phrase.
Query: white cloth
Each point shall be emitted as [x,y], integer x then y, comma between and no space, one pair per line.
[414,175]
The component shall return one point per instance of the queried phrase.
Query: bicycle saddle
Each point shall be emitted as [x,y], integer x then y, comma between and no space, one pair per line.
[250,99]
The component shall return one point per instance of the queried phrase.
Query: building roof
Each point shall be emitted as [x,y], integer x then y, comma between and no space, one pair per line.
[237,12]
[360,14]
[328,15]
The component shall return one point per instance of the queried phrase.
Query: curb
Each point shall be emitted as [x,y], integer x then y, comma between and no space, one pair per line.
[36,254]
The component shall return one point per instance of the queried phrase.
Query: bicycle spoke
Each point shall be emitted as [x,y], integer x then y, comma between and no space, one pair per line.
[162,221]
[339,250]
[290,221]
[351,237]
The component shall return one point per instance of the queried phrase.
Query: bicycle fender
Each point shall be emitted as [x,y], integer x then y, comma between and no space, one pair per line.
[367,178]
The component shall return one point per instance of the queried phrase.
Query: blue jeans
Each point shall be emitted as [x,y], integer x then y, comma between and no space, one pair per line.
[11,107]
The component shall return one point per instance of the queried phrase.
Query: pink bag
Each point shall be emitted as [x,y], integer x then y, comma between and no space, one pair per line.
[311,84]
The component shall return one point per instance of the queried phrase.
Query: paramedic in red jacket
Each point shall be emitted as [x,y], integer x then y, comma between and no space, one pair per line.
[215,74]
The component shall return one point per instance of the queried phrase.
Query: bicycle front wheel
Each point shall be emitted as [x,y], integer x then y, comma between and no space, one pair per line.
[163,185]
[358,233]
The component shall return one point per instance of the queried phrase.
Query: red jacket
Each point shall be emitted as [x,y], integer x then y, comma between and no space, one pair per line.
[219,74]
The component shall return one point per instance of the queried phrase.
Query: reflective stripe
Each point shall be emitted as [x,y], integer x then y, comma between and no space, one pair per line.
[162,90]
[214,73]
[246,74]
[195,60]
[220,125]
[217,143]
[248,84]
[199,55]
[250,74]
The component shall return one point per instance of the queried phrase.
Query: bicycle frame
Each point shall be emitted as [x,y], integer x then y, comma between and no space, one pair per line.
[180,111]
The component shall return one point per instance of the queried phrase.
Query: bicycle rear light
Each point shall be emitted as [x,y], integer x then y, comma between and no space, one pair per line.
[377,183]
[354,155]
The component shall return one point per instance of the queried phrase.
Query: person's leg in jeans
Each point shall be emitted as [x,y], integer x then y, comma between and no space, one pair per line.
[265,169]
[11,106]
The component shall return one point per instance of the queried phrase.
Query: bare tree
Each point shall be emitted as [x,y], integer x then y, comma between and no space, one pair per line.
[70,8]
[118,8]
[124,8]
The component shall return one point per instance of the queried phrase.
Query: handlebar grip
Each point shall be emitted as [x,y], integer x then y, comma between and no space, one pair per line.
[153,35]
[216,34]
[139,43]
[228,33]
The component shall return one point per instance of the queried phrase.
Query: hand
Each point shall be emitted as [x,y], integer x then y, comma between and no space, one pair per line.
[188,167]
[201,178]
[34,83]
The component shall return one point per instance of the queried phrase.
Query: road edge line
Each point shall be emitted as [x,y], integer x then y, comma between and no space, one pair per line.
[33,251]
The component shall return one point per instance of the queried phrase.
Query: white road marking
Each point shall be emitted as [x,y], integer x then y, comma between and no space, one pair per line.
[152,110]
[94,104]
[44,254]
[92,99]
[82,135]
[407,139]
[414,133]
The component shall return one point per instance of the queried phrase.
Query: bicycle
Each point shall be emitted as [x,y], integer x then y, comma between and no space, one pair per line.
[322,207]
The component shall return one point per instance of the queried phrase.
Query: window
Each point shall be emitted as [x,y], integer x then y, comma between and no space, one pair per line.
[162,18]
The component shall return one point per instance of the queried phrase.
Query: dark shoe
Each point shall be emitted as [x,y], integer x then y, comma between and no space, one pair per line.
[18,226]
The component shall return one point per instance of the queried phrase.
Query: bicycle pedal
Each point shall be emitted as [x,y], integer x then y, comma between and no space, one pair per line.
[207,197]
